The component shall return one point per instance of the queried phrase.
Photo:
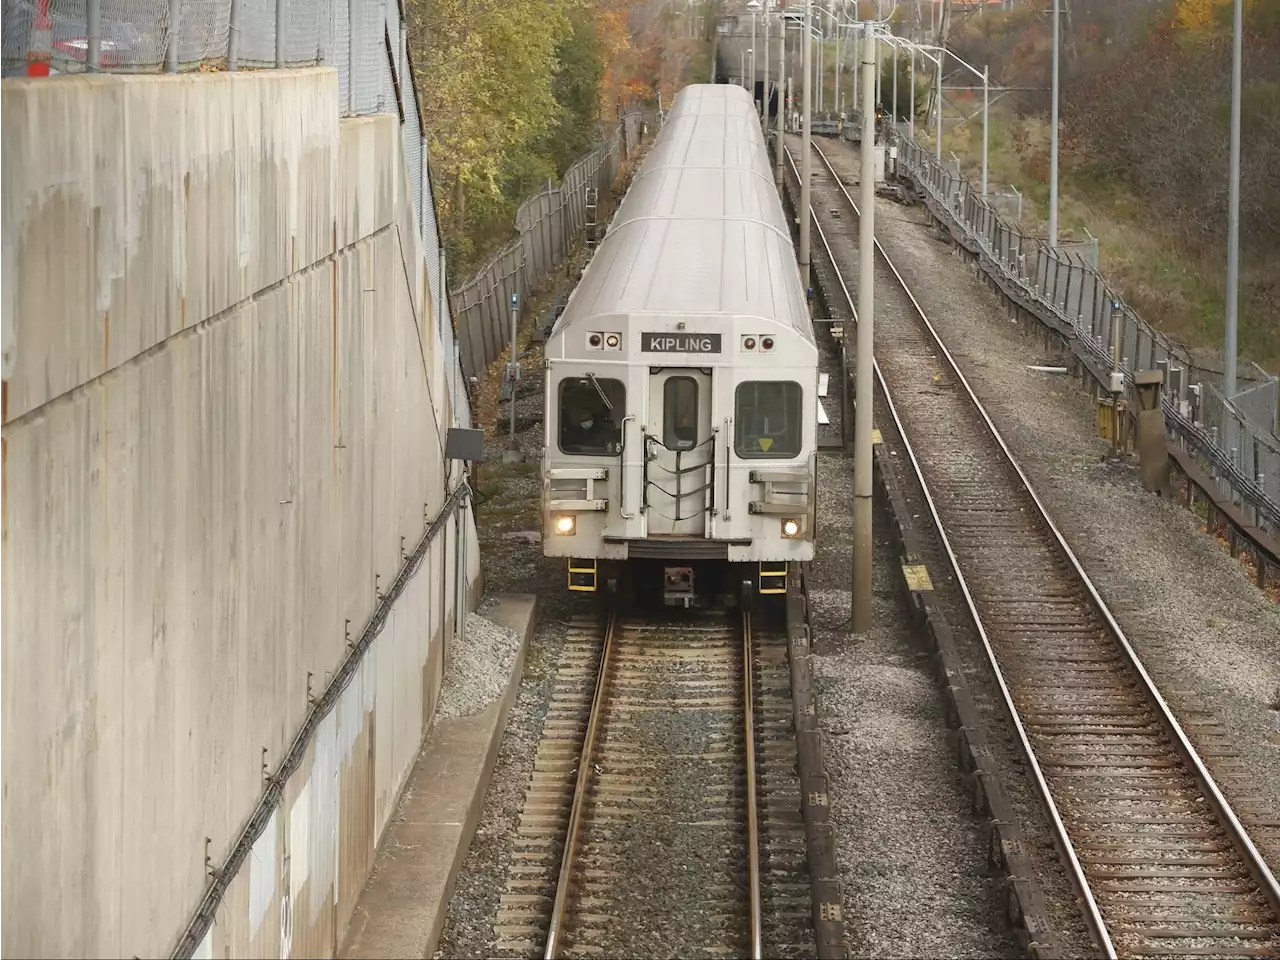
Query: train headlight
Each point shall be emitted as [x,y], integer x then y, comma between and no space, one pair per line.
[790,528]
[565,524]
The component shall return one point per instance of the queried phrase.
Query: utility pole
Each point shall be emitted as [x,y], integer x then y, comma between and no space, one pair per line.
[764,96]
[752,51]
[1053,136]
[782,103]
[1233,213]
[863,356]
[894,112]
[937,152]
[857,45]
[986,109]
[806,159]
[911,111]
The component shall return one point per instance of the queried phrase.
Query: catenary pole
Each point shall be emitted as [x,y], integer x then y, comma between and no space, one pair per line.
[806,159]
[1233,213]
[863,357]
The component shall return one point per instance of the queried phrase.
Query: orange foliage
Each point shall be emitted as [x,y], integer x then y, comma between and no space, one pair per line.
[1201,15]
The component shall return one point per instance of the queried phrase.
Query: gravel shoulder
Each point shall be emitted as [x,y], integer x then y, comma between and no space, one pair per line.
[1207,635]
[508,521]
[911,852]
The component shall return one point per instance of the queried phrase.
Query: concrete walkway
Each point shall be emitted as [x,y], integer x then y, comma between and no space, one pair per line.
[402,908]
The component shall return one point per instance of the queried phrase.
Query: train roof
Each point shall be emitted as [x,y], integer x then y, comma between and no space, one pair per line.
[701,230]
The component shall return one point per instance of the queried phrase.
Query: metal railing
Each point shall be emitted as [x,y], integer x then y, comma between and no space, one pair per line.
[1242,453]
[547,226]
[366,41]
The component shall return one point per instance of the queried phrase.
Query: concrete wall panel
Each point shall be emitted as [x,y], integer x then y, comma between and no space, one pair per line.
[220,431]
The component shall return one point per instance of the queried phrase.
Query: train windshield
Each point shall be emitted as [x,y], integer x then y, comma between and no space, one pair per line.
[591,412]
[769,420]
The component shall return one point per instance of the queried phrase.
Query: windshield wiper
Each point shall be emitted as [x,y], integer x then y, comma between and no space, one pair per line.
[599,390]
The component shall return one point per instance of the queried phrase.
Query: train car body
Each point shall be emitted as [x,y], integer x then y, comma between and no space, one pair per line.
[681,388]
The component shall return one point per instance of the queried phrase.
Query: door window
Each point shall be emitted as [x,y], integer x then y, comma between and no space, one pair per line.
[680,413]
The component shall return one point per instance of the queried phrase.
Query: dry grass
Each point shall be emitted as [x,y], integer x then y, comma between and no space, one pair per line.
[1180,293]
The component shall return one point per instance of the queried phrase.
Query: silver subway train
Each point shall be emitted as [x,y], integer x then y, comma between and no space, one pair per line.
[681,388]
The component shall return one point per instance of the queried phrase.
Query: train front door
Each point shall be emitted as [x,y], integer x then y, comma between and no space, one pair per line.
[680,453]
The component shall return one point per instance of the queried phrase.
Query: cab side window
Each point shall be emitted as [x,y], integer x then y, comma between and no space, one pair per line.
[591,412]
[768,420]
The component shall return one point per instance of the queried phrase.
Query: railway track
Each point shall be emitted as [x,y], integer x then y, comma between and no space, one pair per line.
[1161,863]
[664,815]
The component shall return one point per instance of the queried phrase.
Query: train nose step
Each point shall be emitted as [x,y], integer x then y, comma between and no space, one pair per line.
[772,576]
[583,575]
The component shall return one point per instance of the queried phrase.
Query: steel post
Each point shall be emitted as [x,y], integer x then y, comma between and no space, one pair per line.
[233,37]
[752,51]
[894,113]
[863,371]
[986,115]
[764,95]
[857,45]
[806,159]
[279,34]
[778,147]
[937,111]
[1053,135]
[1233,213]
[171,49]
[911,112]
[93,31]
[839,31]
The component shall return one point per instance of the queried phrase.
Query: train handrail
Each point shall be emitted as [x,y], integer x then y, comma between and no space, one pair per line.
[622,470]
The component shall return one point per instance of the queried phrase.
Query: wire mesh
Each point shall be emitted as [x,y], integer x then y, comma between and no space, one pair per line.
[548,223]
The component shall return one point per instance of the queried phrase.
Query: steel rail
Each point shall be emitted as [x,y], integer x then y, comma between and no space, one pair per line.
[564,882]
[1225,814]
[1093,916]
[1240,836]
[753,835]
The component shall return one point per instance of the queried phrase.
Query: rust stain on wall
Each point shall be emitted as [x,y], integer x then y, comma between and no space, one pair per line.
[4,463]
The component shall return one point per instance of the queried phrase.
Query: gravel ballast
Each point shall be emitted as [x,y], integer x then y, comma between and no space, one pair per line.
[480,663]
[911,853]
[1209,638]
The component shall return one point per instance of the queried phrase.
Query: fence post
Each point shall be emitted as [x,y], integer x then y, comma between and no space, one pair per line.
[171,50]
[233,38]
[93,31]
[353,7]
[279,34]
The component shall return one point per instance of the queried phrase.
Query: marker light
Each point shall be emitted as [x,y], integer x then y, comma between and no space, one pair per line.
[749,343]
[565,524]
[611,340]
[594,340]
[790,528]
[767,343]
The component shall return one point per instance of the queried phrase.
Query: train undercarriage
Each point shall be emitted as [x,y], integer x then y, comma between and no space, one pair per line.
[679,583]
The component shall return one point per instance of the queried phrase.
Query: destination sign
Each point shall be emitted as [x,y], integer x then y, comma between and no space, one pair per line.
[680,342]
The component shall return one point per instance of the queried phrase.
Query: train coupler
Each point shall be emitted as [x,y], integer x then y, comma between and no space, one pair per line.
[677,586]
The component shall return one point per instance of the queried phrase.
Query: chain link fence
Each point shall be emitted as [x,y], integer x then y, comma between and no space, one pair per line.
[1235,439]
[547,224]
[366,41]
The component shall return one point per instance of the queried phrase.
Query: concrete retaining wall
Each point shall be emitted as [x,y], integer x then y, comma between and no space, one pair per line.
[220,360]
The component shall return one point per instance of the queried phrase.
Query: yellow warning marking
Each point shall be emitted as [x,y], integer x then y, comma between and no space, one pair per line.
[766,443]
[876,437]
[917,577]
